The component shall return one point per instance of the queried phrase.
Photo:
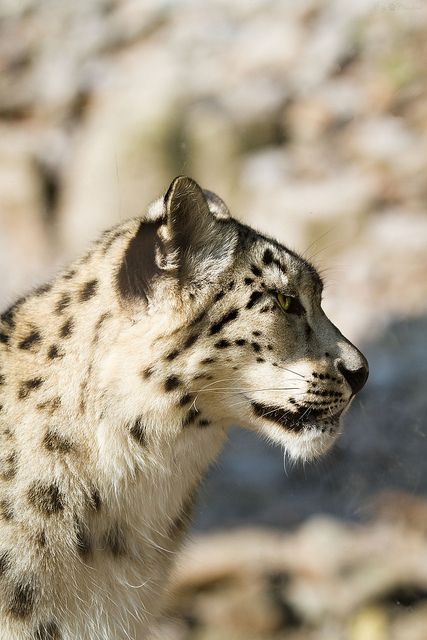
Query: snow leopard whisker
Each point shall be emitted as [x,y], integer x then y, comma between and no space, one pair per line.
[315,241]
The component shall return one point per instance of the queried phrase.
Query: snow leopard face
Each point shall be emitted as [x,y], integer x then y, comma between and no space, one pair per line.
[242,336]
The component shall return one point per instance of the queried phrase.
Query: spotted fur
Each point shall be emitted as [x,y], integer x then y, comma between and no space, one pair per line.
[118,381]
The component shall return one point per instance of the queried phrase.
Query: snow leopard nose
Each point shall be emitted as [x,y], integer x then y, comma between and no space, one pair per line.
[356,378]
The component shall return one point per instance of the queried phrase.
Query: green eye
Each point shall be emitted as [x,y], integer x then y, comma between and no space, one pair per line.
[285,302]
[290,304]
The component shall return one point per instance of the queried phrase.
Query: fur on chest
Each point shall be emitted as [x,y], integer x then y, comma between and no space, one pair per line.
[133,540]
[93,555]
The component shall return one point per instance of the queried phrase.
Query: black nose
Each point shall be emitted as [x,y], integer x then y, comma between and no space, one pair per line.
[356,378]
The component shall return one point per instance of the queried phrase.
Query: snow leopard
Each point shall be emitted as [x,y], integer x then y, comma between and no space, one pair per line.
[119,380]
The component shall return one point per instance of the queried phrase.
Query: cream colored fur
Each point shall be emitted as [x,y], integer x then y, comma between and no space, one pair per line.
[103,445]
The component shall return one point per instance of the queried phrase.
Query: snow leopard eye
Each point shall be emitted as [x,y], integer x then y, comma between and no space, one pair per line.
[289,304]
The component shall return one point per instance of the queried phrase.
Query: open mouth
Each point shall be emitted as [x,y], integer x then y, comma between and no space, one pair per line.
[294,421]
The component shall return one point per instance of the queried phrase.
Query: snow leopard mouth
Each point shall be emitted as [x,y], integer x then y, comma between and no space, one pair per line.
[305,417]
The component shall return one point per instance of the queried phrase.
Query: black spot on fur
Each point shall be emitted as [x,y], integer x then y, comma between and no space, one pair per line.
[256,333]
[67,328]
[46,498]
[4,338]
[9,466]
[171,383]
[137,432]
[249,281]
[228,317]
[8,317]
[219,296]
[22,600]
[44,288]
[222,344]
[190,340]
[32,339]
[188,397]
[83,541]
[54,352]
[199,318]
[40,539]
[114,541]
[208,360]
[240,342]
[267,258]
[4,562]
[55,442]
[6,510]
[265,309]
[204,422]
[102,318]
[231,285]
[260,360]
[255,296]
[69,275]
[190,417]
[139,268]
[147,373]
[88,290]
[256,270]
[50,406]
[279,265]
[63,303]
[95,500]
[256,347]
[172,355]
[48,631]
[28,386]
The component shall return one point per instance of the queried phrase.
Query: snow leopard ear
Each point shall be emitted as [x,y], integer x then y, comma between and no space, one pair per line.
[181,238]
[202,241]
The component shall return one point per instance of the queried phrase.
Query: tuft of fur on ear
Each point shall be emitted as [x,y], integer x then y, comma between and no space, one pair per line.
[203,243]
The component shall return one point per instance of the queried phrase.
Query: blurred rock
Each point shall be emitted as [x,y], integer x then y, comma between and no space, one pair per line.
[363,583]
[210,147]
[123,152]
[24,249]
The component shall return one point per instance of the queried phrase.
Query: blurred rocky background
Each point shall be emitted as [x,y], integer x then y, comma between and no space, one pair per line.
[310,119]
